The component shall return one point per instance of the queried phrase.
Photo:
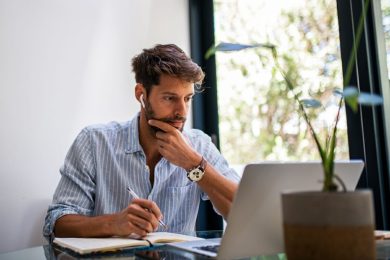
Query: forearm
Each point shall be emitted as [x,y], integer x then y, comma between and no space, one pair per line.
[220,190]
[139,218]
[84,226]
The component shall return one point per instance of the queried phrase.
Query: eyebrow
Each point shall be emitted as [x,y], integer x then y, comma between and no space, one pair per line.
[174,94]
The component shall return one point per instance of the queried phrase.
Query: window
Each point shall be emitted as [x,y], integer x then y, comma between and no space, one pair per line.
[386,29]
[256,112]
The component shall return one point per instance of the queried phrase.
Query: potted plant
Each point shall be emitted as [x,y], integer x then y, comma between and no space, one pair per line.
[333,223]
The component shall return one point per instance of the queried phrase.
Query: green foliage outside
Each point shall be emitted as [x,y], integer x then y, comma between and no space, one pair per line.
[386,28]
[255,122]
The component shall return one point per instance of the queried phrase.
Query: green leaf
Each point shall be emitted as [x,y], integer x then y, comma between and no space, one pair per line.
[368,99]
[210,52]
[244,71]
[352,103]
[338,92]
[228,47]
[351,95]
[353,98]
[311,103]
[350,91]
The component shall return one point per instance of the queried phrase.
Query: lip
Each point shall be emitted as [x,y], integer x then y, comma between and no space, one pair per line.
[178,124]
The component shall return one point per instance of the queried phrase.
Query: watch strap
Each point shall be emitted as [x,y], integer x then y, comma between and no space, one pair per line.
[202,165]
[199,169]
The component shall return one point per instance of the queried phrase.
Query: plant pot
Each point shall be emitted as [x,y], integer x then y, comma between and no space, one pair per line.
[328,225]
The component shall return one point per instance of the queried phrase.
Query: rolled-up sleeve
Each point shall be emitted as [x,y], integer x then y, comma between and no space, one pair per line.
[76,190]
[216,159]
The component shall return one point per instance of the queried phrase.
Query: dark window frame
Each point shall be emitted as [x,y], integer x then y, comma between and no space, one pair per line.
[366,130]
[205,106]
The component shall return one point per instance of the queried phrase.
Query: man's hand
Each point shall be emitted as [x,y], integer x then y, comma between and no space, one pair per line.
[174,147]
[138,219]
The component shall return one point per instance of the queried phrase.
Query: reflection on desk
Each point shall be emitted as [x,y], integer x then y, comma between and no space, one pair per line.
[161,252]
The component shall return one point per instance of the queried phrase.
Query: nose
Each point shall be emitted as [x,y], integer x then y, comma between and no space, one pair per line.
[181,108]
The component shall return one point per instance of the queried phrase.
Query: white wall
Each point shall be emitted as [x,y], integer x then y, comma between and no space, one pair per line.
[65,64]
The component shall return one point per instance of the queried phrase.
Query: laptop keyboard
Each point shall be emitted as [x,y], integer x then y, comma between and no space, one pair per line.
[210,248]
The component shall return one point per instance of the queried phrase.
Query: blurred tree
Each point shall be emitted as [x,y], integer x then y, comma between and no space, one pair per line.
[257,121]
[386,28]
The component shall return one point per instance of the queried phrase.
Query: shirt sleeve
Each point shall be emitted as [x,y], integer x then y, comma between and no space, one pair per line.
[75,191]
[216,159]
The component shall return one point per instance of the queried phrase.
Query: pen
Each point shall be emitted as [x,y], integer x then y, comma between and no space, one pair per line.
[137,197]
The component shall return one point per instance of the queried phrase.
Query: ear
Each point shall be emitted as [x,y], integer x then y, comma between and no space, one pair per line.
[138,91]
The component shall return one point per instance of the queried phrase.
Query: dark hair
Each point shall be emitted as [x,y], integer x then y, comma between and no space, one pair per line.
[165,59]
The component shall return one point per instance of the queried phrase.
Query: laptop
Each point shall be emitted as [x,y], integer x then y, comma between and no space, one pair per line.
[254,225]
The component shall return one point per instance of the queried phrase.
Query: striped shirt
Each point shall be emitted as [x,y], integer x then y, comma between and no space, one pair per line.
[106,159]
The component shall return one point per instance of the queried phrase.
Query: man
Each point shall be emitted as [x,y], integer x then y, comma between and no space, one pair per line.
[170,168]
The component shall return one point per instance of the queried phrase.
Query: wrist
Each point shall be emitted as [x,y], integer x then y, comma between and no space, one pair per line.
[193,163]
[109,226]
[196,173]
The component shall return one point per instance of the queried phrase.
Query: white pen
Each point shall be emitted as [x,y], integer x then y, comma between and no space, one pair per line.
[137,197]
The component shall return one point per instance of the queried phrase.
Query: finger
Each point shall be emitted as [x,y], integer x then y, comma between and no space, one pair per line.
[145,209]
[136,231]
[161,125]
[147,226]
[166,140]
[139,211]
[142,219]
[164,143]
[161,148]
[150,205]
[161,135]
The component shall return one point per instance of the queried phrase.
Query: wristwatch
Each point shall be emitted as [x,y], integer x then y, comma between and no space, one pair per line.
[196,173]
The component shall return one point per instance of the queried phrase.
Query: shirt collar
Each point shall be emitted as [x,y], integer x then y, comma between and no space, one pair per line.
[133,144]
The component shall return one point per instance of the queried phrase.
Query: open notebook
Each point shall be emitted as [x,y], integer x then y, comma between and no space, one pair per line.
[100,245]
[254,224]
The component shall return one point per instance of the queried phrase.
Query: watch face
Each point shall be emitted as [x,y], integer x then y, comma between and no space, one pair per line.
[196,174]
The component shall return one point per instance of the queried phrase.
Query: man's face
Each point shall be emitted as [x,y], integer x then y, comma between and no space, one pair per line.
[169,102]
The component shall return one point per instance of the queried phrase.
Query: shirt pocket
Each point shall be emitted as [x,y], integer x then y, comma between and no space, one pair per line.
[183,207]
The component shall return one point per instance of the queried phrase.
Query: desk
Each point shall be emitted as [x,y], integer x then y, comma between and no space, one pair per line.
[50,252]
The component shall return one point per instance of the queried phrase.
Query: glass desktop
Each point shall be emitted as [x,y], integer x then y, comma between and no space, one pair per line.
[50,251]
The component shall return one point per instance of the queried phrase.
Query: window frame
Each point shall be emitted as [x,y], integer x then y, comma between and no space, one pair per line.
[366,75]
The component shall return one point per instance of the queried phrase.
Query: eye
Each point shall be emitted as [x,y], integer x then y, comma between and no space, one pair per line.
[169,98]
[188,99]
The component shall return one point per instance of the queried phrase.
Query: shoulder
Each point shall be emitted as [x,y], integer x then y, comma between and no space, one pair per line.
[109,128]
[197,135]
[199,140]
[110,132]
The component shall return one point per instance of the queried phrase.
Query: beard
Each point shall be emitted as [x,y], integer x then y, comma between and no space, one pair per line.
[150,114]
